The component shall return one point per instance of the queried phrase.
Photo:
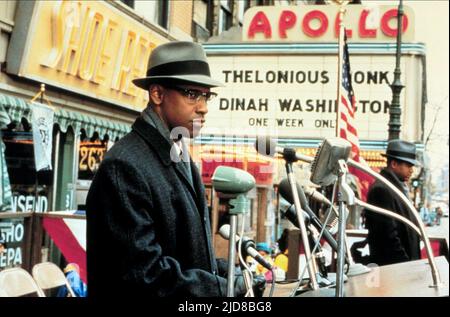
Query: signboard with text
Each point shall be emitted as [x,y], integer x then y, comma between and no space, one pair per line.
[320,23]
[294,95]
[90,156]
[12,234]
[87,47]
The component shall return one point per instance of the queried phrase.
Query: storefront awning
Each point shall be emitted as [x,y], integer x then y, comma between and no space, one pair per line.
[13,109]
[90,124]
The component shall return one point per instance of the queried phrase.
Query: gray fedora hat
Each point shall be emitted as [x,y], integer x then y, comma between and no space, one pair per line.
[178,61]
[402,151]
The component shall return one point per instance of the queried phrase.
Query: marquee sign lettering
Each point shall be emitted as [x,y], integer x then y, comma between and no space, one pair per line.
[321,23]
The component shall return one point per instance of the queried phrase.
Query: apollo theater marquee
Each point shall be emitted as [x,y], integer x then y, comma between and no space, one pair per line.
[281,76]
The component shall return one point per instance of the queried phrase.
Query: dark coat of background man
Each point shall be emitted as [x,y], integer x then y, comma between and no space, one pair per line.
[148,228]
[391,241]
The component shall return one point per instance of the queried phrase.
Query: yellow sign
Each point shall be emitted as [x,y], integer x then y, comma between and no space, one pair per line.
[91,155]
[87,47]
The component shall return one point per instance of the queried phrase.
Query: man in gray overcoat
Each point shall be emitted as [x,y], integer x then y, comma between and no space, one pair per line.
[148,227]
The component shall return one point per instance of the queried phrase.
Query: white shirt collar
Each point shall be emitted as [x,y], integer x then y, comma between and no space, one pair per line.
[178,147]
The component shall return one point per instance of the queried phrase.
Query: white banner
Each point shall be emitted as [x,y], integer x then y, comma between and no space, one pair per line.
[42,123]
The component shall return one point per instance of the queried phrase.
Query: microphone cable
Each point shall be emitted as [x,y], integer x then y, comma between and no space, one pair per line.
[241,259]
[244,264]
[272,288]
[346,212]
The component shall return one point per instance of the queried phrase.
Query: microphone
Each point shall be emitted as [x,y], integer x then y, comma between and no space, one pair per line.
[334,217]
[288,210]
[248,246]
[315,195]
[329,153]
[285,191]
[267,146]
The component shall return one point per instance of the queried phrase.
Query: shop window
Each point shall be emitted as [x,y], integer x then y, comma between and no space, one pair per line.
[90,155]
[31,190]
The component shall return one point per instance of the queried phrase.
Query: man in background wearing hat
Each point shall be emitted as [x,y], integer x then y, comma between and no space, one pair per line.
[148,227]
[391,241]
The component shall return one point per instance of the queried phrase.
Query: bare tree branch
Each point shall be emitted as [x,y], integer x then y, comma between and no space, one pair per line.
[439,107]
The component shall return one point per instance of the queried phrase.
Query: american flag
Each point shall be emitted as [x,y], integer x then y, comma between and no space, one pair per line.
[347,127]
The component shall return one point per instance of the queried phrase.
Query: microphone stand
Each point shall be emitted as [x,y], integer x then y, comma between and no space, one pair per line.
[240,205]
[354,268]
[434,271]
[431,261]
[231,255]
[301,221]
[345,196]
[315,290]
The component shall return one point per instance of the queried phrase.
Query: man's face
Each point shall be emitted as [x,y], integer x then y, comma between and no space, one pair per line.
[402,169]
[184,106]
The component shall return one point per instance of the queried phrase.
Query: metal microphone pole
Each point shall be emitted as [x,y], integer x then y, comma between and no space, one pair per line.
[434,271]
[231,255]
[354,268]
[345,196]
[240,205]
[301,221]
[233,183]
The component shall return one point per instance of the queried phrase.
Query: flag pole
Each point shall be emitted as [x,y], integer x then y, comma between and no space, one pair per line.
[36,183]
[342,9]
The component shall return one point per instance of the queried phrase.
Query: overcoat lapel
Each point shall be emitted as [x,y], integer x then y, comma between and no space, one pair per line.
[162,147]
[182,171]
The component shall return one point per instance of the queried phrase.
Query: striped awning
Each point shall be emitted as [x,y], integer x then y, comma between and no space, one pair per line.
[13,109]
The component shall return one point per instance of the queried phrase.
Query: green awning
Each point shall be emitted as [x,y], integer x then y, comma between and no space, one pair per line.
[13,109]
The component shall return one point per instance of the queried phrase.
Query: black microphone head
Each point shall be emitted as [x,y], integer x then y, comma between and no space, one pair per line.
[284,188]
[289,212]
[265,145]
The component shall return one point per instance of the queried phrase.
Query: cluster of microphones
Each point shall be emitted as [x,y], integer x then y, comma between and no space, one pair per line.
[328,167]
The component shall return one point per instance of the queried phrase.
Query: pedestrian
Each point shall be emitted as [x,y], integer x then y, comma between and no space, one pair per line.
[72,272]
[281,259]
[439,214]
[265,251]
[391,241]
[424,214]
[148,227]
